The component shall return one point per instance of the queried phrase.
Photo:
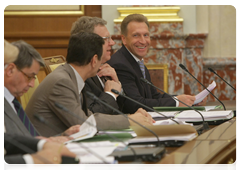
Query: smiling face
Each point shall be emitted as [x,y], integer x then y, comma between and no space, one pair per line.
[107,47]
[137,40]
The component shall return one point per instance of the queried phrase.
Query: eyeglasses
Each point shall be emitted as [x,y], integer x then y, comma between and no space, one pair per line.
[109,38]
[28,77]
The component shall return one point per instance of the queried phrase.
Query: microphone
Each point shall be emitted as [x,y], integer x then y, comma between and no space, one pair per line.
[116,110]
[210,69]
[184,68]
[205,124]
[41,119]
[120,155]
[149,108]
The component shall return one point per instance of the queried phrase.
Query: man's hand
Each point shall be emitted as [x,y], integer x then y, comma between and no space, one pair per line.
[110,84]
[187,99]
[71,130]
[51,153]
[142,117]
[107,70]
[202,103]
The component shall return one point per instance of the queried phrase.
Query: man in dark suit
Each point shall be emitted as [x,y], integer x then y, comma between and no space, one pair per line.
[65,86]
[28,150]
[18,78]
[128,63]
[106,78]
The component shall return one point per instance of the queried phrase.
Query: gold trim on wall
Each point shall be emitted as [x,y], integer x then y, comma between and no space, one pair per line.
[47,12]
[163,67]
[154,14]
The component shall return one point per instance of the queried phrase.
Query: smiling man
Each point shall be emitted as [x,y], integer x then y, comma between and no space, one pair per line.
[128,63]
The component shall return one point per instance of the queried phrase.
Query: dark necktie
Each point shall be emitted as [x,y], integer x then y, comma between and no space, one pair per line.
[141,65]
[24,118]
[105,78]
[84,102]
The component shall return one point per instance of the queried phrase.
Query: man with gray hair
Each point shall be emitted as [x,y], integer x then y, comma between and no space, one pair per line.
[18,78]
[106,78]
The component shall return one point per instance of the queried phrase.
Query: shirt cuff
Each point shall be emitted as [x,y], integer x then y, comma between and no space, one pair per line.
[28,159]
[177,102]
[40,144]
[110,93]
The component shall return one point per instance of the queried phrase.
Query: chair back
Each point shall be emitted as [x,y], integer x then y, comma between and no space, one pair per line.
[26,96]
[51,63]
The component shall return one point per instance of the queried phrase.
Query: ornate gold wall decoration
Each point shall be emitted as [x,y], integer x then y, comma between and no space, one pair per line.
[154,14]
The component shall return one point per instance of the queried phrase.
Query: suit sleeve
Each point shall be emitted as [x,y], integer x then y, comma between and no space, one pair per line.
[133,88]
[12,142]
[64,94]
[14,159]
[96,106]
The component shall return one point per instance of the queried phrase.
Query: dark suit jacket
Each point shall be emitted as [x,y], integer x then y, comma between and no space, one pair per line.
[14,152]
[94,86]
[12,122]
[61,86]
[129,74]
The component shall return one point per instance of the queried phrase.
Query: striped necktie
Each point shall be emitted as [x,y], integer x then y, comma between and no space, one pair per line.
[141,65]
[24,118]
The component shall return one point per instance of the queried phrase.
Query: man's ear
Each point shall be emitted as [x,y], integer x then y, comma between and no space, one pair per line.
[94,61]
[123,39]
[10,69]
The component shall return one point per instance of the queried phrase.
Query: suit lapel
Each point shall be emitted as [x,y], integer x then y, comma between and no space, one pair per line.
[136,69]
[97,82]
[9,112]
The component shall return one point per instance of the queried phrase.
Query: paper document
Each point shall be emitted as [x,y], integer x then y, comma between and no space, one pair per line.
[200,96]
[184,137]
[170,122]
[87,130]
[192,116]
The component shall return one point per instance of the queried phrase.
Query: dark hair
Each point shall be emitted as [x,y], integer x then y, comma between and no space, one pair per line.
[86,24]
[83,46]
[27,54]
[130,18]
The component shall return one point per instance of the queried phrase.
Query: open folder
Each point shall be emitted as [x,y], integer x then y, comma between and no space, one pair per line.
[164,133]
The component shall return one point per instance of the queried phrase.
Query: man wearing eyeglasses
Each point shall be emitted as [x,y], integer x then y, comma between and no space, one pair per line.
[106,78]
[19,76]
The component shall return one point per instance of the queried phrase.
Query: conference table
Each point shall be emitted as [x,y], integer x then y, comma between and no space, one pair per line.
[214,146]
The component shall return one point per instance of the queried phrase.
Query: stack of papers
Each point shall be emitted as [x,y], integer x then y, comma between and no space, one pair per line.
[192,116]
[204,93]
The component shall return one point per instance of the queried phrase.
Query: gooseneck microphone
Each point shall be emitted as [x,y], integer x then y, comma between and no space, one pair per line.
[185,69]
[205,124]
[42,120]
[116,110]
[149,108]
[210,69]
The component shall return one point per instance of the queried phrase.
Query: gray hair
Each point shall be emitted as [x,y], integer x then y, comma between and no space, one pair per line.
[26,55]
[87,24]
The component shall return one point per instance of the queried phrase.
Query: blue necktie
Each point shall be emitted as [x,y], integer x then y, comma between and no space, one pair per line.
[24,118]
[141,65]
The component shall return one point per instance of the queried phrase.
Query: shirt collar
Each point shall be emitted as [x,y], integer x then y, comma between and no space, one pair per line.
[80,82]
[8,96]
[137,59]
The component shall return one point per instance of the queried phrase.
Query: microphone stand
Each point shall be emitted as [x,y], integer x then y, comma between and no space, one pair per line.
[114,109]
[205,124]
[184,68]
[210,69]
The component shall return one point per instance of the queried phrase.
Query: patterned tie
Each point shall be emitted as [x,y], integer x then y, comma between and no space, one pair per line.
[141,65]
[23,117]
